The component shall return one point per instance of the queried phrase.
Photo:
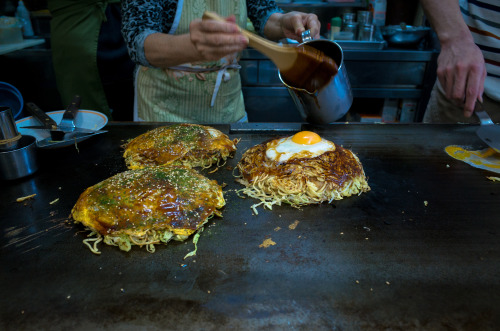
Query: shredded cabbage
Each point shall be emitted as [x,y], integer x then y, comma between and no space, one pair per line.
[195,242]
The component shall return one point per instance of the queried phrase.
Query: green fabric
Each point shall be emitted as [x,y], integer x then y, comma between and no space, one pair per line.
[75,27]
[180,96]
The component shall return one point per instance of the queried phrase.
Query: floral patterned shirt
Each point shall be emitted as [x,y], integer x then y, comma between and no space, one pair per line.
[144,17]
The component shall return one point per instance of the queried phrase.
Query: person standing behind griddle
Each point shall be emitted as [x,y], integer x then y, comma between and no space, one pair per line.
[90,57]
[188,67]
[469,62]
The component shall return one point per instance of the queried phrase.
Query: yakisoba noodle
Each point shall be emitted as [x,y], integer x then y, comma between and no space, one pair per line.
[147,206]
[327,177]
[187,158]
[125,241]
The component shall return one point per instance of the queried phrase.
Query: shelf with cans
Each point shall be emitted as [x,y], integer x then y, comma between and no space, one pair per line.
[353,27]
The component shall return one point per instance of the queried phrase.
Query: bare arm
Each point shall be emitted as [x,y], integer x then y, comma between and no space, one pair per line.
[461,68]
[210,40]
[206,41]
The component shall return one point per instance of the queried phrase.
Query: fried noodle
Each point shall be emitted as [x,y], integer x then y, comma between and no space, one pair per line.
[328,177]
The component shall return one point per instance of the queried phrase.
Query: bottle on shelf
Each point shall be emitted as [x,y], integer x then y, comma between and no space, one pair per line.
[335,24]
[23,15]
[379,8]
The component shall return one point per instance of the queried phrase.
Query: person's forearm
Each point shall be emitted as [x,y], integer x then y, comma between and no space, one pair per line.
[461,69]
[165,50]
[273,29]
[446,19]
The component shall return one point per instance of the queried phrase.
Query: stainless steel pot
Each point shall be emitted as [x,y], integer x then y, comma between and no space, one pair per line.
[331,102]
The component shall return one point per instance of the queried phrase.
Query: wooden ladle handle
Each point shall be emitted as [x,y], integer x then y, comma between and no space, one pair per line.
[283,57]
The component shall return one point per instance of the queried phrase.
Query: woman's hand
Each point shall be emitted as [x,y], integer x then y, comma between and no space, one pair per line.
[291,25]
[214,39]
[294,23]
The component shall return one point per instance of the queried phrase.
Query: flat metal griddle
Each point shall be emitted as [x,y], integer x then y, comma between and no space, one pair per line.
[421,250]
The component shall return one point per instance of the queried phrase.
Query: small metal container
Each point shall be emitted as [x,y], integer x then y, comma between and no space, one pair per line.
[351,27]
[366,32]
[365,17]
[348,18]
[349,24]
[9,136]
[21,161]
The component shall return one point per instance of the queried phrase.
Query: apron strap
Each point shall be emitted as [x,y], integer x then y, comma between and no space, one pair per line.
[177,18]
[222,73]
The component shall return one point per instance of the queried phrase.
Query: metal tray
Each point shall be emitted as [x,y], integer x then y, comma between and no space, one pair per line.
[361,45]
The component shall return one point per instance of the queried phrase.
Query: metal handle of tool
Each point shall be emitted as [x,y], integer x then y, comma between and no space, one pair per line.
[482,114]
[41,116]
[72,109]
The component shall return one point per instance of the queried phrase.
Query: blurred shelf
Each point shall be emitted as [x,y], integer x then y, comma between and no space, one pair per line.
[8,48]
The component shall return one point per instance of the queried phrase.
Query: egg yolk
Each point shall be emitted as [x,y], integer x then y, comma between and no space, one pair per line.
[306,138]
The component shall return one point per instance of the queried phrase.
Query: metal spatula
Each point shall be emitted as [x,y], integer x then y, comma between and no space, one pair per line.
[489,132]
[66,129]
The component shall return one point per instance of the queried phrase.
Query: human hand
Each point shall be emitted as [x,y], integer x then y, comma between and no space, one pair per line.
[294,23]
[216,39]
[461,72]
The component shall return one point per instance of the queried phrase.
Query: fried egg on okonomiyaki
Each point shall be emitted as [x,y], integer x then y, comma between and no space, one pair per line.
[188,144]
[300,170]
[147,206]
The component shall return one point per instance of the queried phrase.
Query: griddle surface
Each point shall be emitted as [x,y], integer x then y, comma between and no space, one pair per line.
[421,250]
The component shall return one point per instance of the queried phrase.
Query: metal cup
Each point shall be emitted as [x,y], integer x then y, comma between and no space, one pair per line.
[365,17]
[366,32]
[9,136]
[348,18]
[351,27]
[19,162]
[332,101]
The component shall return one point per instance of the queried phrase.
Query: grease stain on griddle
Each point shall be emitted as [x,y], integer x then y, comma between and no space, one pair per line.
[181,312]
[23,236]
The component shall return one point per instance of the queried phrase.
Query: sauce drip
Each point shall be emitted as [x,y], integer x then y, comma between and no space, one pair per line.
[312,70]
